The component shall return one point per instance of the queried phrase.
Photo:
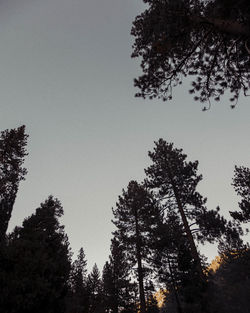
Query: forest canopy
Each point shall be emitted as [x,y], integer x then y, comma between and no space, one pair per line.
[208,41]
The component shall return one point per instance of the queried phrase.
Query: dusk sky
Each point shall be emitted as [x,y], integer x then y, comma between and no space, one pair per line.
[66,73]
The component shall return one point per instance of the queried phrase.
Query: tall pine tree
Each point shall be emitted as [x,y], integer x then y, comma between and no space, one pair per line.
[117,287]
[136,216]
[94,285]
[78,296]
[174,181]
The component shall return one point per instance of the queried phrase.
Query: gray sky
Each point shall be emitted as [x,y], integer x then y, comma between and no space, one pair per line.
[66,73]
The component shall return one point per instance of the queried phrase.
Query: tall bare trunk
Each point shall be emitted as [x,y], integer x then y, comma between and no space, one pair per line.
[193,248]
[139,267]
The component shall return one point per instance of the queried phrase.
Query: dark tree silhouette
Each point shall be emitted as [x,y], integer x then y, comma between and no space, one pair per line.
[78,296]
[174,181]
[230,288]
[136,217]
[117,287]
[172,259]
[12,153]
[109,292]
[39,263]
[241,183]
[206,39]
[94,285]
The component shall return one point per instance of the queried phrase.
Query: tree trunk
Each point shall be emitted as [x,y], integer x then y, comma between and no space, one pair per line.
[187,228]
[5,215]
[139,267]
[178,304]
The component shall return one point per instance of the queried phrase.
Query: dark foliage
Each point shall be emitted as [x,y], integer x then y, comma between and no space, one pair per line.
[136,216]
[174,182]
[230,285]
[209,40]
[117,287]
[12,153]
[158,223]
[78,297]
[94,285]
[38,263]
[241,183]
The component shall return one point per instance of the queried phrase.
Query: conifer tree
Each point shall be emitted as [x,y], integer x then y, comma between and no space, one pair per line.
[208,40]
[174,181]
[39,263]
[94,285]
[109,299]
[117,286]
[136,216]
[241,183]
[12,153]
[172,259]
[78,297]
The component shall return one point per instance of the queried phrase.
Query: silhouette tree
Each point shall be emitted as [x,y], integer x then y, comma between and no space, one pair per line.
[136,216]
[12,153]
[94,284]
[78,296]
[241,183]
[174,181]
[117,287]
[230,288]
[173,261]
[109,292]
[39,263]
[206,39]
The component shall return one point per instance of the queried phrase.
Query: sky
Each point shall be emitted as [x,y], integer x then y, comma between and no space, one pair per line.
[66,73]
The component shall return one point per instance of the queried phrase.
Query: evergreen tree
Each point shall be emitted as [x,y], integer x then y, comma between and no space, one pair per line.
[94,285]
[229,285]
[117,286]
[109,293]
[12,153]
[208,40]
[78,296]
[241,183]
[174,181]
[173,260]
[136,216]
[39,263]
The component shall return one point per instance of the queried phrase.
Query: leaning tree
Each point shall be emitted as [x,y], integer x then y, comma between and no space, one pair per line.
[208,40]
[174,181]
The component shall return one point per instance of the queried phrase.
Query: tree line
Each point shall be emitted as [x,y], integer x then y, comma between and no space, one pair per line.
[159,225]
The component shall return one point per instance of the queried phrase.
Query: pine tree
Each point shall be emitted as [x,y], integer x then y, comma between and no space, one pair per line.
[78,296]
[173,260]
[94,285]
[39,263]
[136,216]
[12,153]
[174,182]
[117,286]
[208,40]
[241,183]
[109,292]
